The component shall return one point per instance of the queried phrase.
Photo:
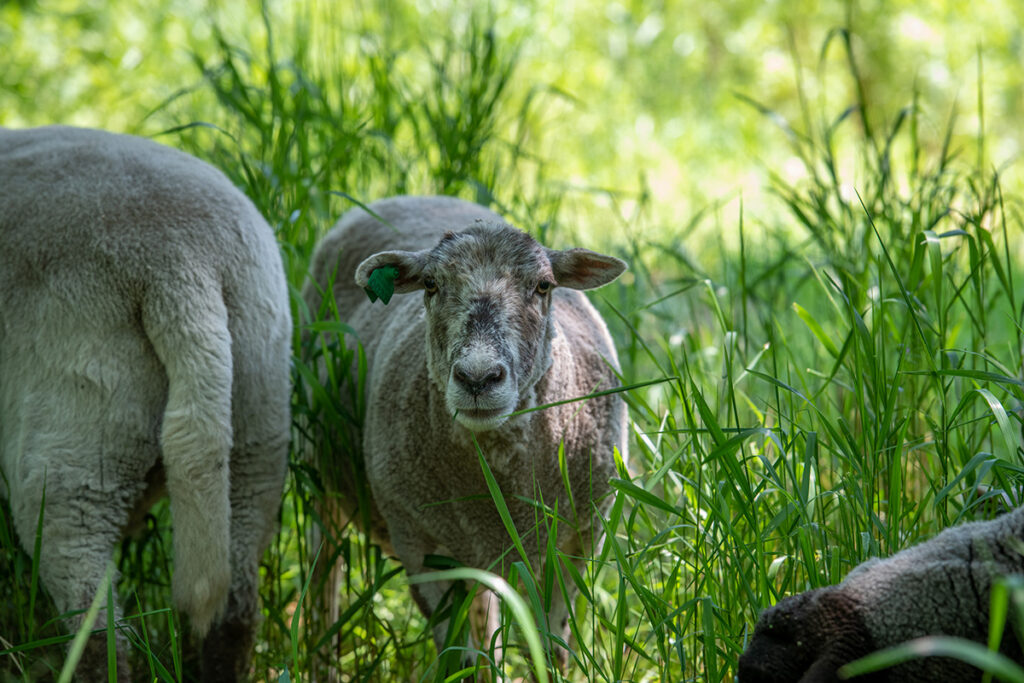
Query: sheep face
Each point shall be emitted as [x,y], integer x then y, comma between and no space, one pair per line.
[487,296]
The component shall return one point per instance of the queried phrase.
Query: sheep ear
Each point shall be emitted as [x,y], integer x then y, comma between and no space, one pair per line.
[407,264]
[583,269]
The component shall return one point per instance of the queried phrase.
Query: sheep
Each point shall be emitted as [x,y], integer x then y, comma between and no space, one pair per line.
[499,328]
[144,346]
[941,586]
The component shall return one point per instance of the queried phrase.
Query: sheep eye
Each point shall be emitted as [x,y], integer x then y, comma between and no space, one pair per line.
[430,285]
[543,287]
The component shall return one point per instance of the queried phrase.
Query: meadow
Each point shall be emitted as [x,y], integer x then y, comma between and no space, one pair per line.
[832,367]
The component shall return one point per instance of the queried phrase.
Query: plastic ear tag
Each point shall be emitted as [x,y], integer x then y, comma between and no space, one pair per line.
[381,284]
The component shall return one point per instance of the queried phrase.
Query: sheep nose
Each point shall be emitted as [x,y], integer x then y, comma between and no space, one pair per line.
[478,380]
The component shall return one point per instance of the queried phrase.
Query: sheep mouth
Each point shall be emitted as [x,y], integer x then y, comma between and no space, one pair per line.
[481,413]
[481,419]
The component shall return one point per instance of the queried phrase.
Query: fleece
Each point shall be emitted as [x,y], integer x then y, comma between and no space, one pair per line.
[144,347]
[938,587]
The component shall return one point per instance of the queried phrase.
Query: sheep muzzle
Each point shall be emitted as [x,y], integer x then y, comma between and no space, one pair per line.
[481,390]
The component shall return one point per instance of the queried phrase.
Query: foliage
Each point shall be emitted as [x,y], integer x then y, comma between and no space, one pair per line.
[829,376]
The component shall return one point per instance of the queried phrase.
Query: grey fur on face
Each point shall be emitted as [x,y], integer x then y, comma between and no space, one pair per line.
[487,294]
[492,319]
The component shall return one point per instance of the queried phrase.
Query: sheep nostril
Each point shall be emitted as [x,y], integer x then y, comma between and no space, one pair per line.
[495,376]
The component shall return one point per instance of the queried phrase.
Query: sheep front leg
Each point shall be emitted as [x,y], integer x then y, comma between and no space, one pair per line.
[484,624]
[428,595]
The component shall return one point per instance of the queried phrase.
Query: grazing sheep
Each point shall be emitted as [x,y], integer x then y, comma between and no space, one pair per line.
[499,328]
[144,345]
[941,586]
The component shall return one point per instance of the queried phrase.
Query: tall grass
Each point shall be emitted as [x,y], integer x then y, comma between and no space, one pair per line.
[847,382]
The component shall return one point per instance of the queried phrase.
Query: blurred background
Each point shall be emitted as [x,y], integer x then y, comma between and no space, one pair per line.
[630,103]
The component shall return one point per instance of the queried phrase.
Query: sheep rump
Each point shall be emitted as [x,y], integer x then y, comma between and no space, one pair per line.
[938,587]
[429,496]
[144,346]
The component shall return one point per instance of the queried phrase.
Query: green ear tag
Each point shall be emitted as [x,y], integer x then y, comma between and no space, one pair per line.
[381,284]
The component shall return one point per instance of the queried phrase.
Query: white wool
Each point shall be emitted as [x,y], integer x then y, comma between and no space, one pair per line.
[144,339]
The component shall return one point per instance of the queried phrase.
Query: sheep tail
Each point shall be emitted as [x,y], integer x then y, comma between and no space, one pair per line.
[187,323]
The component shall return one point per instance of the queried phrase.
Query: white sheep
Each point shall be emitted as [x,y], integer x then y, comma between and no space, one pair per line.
[939,587]
[499,328]
[144,345]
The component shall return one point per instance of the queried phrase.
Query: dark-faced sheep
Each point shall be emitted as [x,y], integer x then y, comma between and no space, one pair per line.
[939,587]
[499,327]
[144,347]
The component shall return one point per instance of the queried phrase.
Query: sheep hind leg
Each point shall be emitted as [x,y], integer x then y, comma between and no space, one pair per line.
[94,664]
[80,531]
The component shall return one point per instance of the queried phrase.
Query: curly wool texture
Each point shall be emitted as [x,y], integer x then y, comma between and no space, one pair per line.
[939,587]
[429,494]
[144,347]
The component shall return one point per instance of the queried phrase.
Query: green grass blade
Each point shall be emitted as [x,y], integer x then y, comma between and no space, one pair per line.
[85,629]
[517,606]
[967,651]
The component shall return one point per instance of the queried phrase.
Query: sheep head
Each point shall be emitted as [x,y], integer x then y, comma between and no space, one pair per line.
[487,294]
[806,638]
